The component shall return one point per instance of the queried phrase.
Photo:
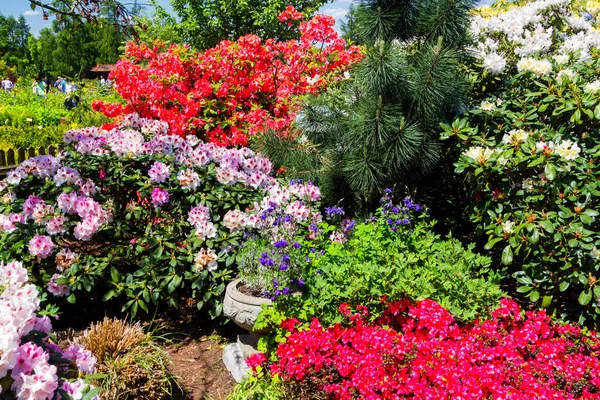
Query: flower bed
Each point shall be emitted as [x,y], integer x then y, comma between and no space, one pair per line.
[140,214]
[418,351]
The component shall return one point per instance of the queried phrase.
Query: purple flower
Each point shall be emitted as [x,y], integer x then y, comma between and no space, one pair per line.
[265,260]
[280,244]
[275,283]
[286,258]
[296,245]
[41,246]
[286,291]
[283,267]
[334,210]
[319,271]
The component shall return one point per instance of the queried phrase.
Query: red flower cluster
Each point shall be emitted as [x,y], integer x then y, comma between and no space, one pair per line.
[429,356]
[234,90]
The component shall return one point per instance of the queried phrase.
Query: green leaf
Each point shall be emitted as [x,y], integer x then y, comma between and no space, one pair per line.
[534,296]
[114,275]
[585,297]
[535,236]
[564,286]
[491,243]
[597,112]
[547,225]
[524,289]
[71,299]
[550,172]
[546,301]
[89,395]
[507,255]
[91,377]
[109,295]
[525,280]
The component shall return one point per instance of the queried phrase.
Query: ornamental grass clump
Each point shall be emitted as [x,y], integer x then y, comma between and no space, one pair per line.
[419,351]
[32,367]
[133,365]
[137,215]
[528,151]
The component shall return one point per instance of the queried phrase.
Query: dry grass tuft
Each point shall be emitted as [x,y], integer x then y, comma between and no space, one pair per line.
[136,367]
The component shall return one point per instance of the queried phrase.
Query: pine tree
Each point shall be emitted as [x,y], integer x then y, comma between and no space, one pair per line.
[381,129]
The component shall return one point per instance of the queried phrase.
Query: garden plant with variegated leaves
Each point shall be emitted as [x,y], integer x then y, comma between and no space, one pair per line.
[529,147]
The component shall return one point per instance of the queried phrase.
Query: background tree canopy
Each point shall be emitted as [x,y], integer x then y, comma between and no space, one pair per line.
[204,23]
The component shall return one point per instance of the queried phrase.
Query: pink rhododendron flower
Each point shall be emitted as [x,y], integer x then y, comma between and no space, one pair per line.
[159,172]
[41,246]
[159,197]
[58,289]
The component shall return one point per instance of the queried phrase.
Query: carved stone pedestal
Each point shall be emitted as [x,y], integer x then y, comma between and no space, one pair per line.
[241,308]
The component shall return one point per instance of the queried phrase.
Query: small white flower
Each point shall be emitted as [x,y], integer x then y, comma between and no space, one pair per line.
[487,106]
[508,227]
[592,87]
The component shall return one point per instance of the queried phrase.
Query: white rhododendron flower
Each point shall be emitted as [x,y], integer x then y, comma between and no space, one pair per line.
[592,87]
[494,63]
[508,227]
[568,150]
[479,154]
[515,137]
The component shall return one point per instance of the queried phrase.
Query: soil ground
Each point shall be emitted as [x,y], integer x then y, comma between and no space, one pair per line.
[194,345]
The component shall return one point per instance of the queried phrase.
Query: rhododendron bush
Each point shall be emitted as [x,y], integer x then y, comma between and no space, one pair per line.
[31,367]
[234,90]
[528,150]
[419,352]
[140,215]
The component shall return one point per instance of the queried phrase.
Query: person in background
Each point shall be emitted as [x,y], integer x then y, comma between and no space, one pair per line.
[7,85]
[38,88]
[102,82]
[46,85]
[63,85]
[57,83]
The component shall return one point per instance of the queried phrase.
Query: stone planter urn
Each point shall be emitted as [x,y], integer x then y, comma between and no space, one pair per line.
[241,308]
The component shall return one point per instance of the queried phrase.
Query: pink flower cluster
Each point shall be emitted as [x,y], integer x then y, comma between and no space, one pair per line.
[25,365]
[428,356]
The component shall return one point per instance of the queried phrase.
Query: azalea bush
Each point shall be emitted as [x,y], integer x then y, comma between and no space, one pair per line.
[528,151]
[234,90]
[137,215]
[31,366]
[419,351]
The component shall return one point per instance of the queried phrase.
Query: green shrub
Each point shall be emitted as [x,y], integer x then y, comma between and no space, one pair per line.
[15,138]
[392,256]
[377,263]
[529,152]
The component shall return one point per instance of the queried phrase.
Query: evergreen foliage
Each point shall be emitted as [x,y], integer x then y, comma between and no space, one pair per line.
[380,127]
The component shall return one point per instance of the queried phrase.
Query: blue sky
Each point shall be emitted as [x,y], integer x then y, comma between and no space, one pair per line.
[337,9]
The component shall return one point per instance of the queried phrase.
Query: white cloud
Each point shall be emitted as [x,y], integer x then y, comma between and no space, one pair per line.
[30,13]
[337,13]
